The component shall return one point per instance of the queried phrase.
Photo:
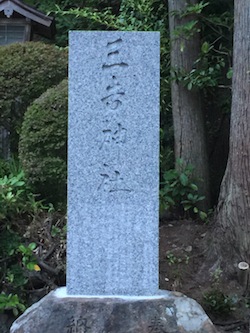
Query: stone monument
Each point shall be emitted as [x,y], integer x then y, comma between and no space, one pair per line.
[113,163]
[113,168]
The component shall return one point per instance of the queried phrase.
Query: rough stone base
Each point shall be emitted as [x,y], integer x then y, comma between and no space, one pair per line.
[167,313]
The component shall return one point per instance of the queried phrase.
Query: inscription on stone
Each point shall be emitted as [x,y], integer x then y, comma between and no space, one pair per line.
[113,163]
[114,90]
[80,325]
[112,180]
[115,134]
[157,326]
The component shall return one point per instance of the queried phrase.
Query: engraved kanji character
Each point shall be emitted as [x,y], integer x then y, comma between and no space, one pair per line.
[113,55]
[157,326]
[112,180]
[114,93]
[117,136]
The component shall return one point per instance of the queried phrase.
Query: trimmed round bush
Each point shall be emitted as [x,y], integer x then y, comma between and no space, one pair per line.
[26,71]
[43,143]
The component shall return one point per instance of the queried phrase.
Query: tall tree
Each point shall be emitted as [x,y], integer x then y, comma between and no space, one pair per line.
[233,210]
[188,118]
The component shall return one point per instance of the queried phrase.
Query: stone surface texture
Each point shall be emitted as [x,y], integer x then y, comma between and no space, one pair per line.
[113,163]
[166,314]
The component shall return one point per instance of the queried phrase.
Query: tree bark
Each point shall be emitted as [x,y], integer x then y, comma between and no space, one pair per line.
[188,118]
[232,230]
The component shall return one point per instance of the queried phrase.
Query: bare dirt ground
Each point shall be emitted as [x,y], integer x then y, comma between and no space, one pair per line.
[183,246]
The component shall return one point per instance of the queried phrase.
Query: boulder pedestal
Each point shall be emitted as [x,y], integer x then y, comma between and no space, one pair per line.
[167,312]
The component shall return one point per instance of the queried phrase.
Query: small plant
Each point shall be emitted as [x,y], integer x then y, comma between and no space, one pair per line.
[218,303]
[172,259]
[179,191]
[11,195]
[216,277]
[11,302]
[58,232]
[16,203]
[17,198]
[28,258]
[17,259]
[215,300]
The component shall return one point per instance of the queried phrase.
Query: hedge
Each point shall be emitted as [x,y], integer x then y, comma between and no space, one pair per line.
[26,71]
[43,143]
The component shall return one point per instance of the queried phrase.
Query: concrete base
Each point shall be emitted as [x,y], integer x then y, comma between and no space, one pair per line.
[167,312]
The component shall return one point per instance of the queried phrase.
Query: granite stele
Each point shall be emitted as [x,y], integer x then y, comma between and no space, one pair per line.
[113,163]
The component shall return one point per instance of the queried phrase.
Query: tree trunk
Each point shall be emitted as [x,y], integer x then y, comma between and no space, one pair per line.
[232,229]
[188,118]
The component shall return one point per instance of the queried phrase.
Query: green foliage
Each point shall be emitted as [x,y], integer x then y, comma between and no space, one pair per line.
[65,23]
[189,26]
[141,15]
[173,260]
[16,197]
[10,166]
[9,241]
[11,302]
[43,143]
[17,258]
[12,200]
[191,9]
[215,300]
[28,258]
[58,232]
[218,303]
[208,69]
[4,168]
[186,31]
[26,71]
[17,203]
[179,191]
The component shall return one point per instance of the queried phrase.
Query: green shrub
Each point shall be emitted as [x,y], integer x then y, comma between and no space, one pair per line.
[10,166]
[26,71]
[43,143]
[18,259]
[16,198]
[180,193]
[11,302]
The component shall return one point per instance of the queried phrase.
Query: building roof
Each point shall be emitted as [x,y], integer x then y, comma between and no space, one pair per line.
[44,24]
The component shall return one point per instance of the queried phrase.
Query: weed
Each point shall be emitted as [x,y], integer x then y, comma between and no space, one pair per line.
[173,260]
[17,259]
[218,303]
[178,190]
[28,258]
[216,277]
[58,232]
[11,302]
[215,300]
[17,198]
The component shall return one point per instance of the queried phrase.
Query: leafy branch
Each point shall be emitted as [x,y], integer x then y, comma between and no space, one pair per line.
[134,15]
[190,10]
